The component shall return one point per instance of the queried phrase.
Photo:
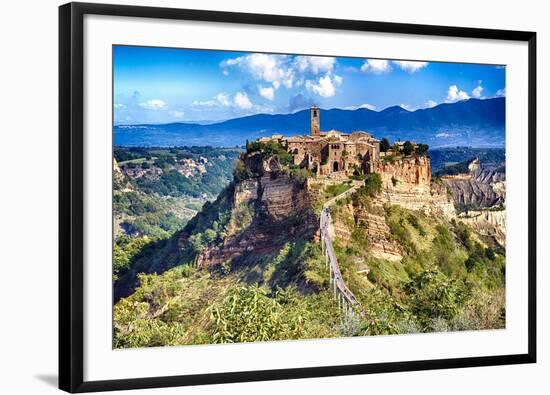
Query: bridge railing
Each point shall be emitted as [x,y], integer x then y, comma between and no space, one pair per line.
[346,300]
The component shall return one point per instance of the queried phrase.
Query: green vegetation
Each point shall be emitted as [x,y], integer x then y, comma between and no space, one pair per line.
[125,250]
[455,169]
[408,148]
[270,149]
[422,149]
[140,214]
[442,157]
[251,164]
[373,184]
[336,189]
[190,306]
[207,170]
[447,279]
[153,200]
[384,145]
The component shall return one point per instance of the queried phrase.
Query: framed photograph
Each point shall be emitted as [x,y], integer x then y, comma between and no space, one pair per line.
[253,197]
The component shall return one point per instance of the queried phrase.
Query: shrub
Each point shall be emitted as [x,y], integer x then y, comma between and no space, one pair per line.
[248,314]
[408,148]
[384,145]
[433,296]
[373,184]
[422,149]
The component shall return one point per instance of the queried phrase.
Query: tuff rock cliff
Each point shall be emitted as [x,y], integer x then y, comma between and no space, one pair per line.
[480,188]
[407,183]
[280,209]
[480,197]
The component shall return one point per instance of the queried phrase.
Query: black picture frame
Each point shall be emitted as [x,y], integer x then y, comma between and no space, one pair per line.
[71,204]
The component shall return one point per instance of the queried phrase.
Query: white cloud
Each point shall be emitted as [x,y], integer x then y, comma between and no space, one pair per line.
[368,106]
[325,86]
[410,66]
[177,113]
[364,105]
[282,70]
[119,105]
[238,100]
[430,104]
[501,92]
[205,103]
[267,93]
[477,91]
[155,104]
[223,99]
[376,66]
[242,101]
[443,135]
[455,94]
[407,107]
[315,64]
[269,68]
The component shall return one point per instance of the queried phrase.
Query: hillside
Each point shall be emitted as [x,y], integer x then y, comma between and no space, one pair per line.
[472,122]
[157,191]
[249,266]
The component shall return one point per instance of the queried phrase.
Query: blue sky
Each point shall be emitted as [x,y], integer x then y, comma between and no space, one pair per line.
[162,85]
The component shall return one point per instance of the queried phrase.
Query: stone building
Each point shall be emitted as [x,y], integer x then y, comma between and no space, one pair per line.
[333,151]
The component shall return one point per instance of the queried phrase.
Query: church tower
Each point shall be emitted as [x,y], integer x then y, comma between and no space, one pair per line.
[315,114]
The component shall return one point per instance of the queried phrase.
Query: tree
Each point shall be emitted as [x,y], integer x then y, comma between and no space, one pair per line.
[373,184]
[422,149]
[384,145]
[408,148]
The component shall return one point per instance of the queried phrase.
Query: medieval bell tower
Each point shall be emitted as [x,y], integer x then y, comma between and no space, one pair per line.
[315,115]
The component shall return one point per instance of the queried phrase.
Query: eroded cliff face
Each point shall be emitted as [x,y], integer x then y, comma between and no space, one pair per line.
[410,170]
[119,180]
[480,195]
[490,223]
[407,182]
[281,210]
[480,188]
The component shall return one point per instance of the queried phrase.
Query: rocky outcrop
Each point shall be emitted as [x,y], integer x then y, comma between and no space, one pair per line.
[119,180]
[372,221]
[281,212]
[245,191]
[481,196]
[431,199]
[407,182]
[409,170]
[378,235]
[491,223]
[481,188]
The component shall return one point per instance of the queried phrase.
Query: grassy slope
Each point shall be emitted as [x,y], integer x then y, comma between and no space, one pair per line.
[447,279]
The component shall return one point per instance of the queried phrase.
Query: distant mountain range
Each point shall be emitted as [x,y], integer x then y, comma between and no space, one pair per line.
[472,122]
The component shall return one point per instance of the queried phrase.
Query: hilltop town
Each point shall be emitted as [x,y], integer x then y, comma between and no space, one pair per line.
[334,153]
